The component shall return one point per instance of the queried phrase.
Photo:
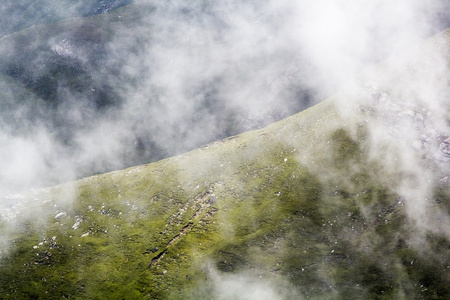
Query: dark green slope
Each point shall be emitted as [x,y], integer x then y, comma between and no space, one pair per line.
[302,208]
[101,65]
[65,70]
[23,114]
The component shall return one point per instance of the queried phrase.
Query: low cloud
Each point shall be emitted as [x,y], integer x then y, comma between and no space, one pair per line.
[189,73]
[249,286]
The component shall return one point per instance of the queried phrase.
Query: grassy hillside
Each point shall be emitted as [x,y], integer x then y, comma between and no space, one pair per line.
[336,202]
[252,206]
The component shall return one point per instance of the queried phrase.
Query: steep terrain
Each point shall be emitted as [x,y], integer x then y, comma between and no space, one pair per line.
[152,73]
[346,200]
[107,66]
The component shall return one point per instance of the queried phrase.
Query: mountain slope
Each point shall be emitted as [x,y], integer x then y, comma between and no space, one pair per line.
[119,66]
[319,205]
[17,15]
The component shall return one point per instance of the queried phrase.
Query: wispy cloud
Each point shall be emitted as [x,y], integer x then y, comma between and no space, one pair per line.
[162,77]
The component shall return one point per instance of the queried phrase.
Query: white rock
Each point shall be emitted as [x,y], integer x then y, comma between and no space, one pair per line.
[60,215]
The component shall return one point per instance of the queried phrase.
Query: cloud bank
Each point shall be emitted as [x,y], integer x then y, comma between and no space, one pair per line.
[162,77]
[183,74]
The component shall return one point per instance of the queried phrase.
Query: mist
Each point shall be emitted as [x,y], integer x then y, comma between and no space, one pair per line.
[182,75]
[159,78]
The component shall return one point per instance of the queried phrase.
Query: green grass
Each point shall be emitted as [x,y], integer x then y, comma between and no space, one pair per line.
[273,213]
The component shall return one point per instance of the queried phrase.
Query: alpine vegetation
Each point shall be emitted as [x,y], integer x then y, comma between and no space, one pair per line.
[184,150]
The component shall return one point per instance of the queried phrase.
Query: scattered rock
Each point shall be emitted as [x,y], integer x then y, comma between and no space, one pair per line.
[408,123]
[212,199]
[77,224]
[60,215]
[444,148]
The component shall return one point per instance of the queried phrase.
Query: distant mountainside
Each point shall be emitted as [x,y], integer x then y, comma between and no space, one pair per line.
[160,77]
[348,199]
[18,15]
[106,67]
